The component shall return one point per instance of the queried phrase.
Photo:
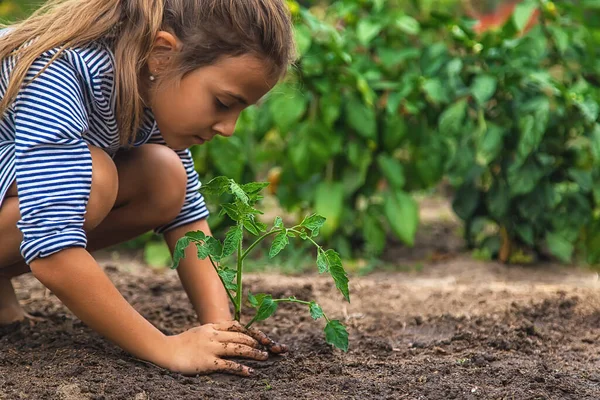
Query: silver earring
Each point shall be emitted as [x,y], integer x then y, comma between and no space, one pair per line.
[152,78]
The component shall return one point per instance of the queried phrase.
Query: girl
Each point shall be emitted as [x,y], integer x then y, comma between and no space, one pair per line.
[101,100]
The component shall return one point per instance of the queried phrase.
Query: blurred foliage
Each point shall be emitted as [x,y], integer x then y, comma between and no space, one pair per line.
[383,103]
[14,10]
[389,97]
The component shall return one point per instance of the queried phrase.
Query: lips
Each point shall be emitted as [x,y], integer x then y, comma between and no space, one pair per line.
[198,140]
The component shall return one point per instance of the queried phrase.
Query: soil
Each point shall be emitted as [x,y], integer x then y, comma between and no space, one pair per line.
[454,329]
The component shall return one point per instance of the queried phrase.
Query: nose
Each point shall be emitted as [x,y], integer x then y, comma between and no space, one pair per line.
[225,127]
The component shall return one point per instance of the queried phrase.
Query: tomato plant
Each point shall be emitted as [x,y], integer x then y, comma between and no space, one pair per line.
[242,211]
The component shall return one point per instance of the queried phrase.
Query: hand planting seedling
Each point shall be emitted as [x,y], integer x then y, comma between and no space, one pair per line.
[242,211]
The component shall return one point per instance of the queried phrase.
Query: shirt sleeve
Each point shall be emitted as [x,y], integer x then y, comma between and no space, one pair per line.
[194,206]
[53,163]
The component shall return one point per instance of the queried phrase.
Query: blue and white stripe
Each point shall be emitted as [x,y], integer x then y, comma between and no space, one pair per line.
[43,145]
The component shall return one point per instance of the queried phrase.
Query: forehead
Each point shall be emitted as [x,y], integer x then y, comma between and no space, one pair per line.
[245,75]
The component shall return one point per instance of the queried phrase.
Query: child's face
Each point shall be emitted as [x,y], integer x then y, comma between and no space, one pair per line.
[208,101]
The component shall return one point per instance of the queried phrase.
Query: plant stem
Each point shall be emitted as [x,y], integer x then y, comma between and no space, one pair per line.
[260,239]
[308,237]
[222,281]
[292,301]
[238,297]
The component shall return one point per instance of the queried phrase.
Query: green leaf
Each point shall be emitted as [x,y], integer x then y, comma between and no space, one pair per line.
[228,275]
[402,213]
[252,226]
[215,187]
[490,144]
[522,180]
[466,201]
[278,223]
[361,118]
[197,236]
[532,130]
[408,25]
[279,243]
[483,88]
[238,192]
[254,187]
[287,106]
[367,29]
[374,235]
[561,38]
[232,240]
[256,300]
[394,131]
[522,13]
[211,247]
[392,170]
[228,155]
[336,335]
[179,252]
[231,210]
[337,272]
[525,232]
[315,310]
[313,223]
[266,309]
[330,106]
[157,254]
[252,300]
[322,262]
[589,109]
[434,88]
[582,178]
[451,120]
[559,246]
[329,202]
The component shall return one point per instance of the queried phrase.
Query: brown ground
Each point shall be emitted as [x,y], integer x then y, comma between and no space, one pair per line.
[455,329]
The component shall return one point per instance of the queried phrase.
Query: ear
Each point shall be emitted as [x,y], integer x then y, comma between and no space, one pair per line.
[164,47]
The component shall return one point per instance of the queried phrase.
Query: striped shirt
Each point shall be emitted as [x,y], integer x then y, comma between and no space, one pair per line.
[43,145]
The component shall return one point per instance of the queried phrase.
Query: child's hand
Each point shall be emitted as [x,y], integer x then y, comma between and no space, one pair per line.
[200,350]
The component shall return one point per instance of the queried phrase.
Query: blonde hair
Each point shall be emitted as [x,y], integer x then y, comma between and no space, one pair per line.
[207,29]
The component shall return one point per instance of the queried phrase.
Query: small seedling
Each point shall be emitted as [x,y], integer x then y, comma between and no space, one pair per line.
[242,211]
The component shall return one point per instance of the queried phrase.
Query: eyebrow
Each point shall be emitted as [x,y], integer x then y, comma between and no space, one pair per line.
[237,97]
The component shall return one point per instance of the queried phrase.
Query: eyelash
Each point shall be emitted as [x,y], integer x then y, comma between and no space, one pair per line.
[221,105]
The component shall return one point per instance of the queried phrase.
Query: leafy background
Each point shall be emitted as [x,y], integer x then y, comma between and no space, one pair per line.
[388,99]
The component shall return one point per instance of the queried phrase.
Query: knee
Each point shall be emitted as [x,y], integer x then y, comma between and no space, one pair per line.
[166,183]
[105,186]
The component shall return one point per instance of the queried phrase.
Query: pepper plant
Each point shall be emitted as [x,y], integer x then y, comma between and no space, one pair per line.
[241,210]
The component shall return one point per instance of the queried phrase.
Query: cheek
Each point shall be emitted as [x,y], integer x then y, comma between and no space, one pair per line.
[180,110]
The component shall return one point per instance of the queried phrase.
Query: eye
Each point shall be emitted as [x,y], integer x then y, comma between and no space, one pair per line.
[220,105]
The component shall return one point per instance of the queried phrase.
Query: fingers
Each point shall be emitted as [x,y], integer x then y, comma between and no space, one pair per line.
[231,367]
[270,344]
[241,350]
[236,337]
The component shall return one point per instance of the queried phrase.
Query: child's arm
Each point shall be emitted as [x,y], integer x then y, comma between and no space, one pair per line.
[78,281]
[203,286]
[199,278]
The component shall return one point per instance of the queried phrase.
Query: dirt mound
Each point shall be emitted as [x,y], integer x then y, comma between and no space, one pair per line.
[427,335]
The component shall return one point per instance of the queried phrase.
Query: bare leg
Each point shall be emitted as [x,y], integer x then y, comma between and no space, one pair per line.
[151,191]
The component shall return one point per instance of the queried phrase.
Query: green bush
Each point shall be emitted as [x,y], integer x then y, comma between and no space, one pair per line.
[529,159]
[350,133]
[382,104]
